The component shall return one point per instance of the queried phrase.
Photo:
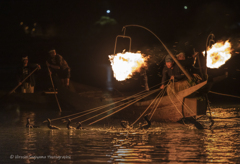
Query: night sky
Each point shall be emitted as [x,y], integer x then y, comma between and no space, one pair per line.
[84,33]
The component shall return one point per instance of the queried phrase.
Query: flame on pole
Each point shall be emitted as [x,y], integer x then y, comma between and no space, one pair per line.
[218,54]
[124,65]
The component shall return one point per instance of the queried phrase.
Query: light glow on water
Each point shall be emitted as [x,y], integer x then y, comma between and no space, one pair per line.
[169,143]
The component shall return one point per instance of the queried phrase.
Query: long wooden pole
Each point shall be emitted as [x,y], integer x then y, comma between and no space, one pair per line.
[22,81]
[169,52]
[50,75]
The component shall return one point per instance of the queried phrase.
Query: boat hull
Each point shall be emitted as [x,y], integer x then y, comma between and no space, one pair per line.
[172,108]
[38,101]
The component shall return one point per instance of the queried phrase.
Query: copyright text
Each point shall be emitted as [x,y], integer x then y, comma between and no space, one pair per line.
[58,157]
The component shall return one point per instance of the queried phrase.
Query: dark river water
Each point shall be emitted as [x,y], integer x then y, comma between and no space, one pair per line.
[162,143]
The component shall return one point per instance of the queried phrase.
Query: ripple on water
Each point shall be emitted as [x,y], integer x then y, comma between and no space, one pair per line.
[167,143]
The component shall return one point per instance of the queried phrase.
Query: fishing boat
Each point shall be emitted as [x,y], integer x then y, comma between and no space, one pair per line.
[178,104]
[187,102]
[84,97]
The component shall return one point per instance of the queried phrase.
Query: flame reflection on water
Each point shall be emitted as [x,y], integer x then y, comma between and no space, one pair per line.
[166,143]
[132,147]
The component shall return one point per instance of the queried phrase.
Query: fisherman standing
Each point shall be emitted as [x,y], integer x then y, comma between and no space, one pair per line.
[26,68]
[59,67]
[171,71]
[187,62]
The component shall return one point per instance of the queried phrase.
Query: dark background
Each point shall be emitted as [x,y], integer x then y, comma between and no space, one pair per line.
[84,34]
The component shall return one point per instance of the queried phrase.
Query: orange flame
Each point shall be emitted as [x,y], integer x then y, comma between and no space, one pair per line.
[218,54]
[124,65]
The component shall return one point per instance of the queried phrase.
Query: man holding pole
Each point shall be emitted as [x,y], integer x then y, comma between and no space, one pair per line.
[26,76]
[58,66]
[187,63]
[171,71]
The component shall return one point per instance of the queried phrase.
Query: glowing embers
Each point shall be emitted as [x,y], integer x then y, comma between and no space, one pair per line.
[218,54]
[124,65]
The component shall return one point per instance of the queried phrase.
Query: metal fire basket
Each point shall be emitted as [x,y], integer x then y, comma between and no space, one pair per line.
[122,36]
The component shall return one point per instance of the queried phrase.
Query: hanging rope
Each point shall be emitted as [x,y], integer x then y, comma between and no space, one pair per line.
[123,107]
[184,104]
[209,108]
[155,102]
[147,108]
[97,108]
[109,109]
[104,106]
[224,94]
[175,105]
[195,122]
[164,91]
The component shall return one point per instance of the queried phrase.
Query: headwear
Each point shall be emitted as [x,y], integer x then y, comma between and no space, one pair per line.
[181,53]
[168,59]
[51,50]
[25,58]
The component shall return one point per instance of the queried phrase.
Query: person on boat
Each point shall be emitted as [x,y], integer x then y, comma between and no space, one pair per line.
[59,67]
[26,68]
[187,62]
[171,71]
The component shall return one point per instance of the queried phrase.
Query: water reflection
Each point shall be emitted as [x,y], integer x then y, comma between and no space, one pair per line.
[132,147]
[222,143]
[165,143]
[222,146]
[29,144]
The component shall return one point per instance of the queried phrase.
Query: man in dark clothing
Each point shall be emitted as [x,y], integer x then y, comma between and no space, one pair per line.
[171,71]
[29,84]
[58,66]
[187,63]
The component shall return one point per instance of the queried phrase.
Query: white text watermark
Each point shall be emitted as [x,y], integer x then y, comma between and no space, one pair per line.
[35,157]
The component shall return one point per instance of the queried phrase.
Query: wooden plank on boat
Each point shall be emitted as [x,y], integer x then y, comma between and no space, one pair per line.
[48,92]
[196,105]
[188,91]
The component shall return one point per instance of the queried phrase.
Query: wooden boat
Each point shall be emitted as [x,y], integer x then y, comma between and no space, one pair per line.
[182,104]
[186,103]
[179,104]
[45,100]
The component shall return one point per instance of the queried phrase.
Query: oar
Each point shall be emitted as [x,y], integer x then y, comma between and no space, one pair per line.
[23,81]
[59,107]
